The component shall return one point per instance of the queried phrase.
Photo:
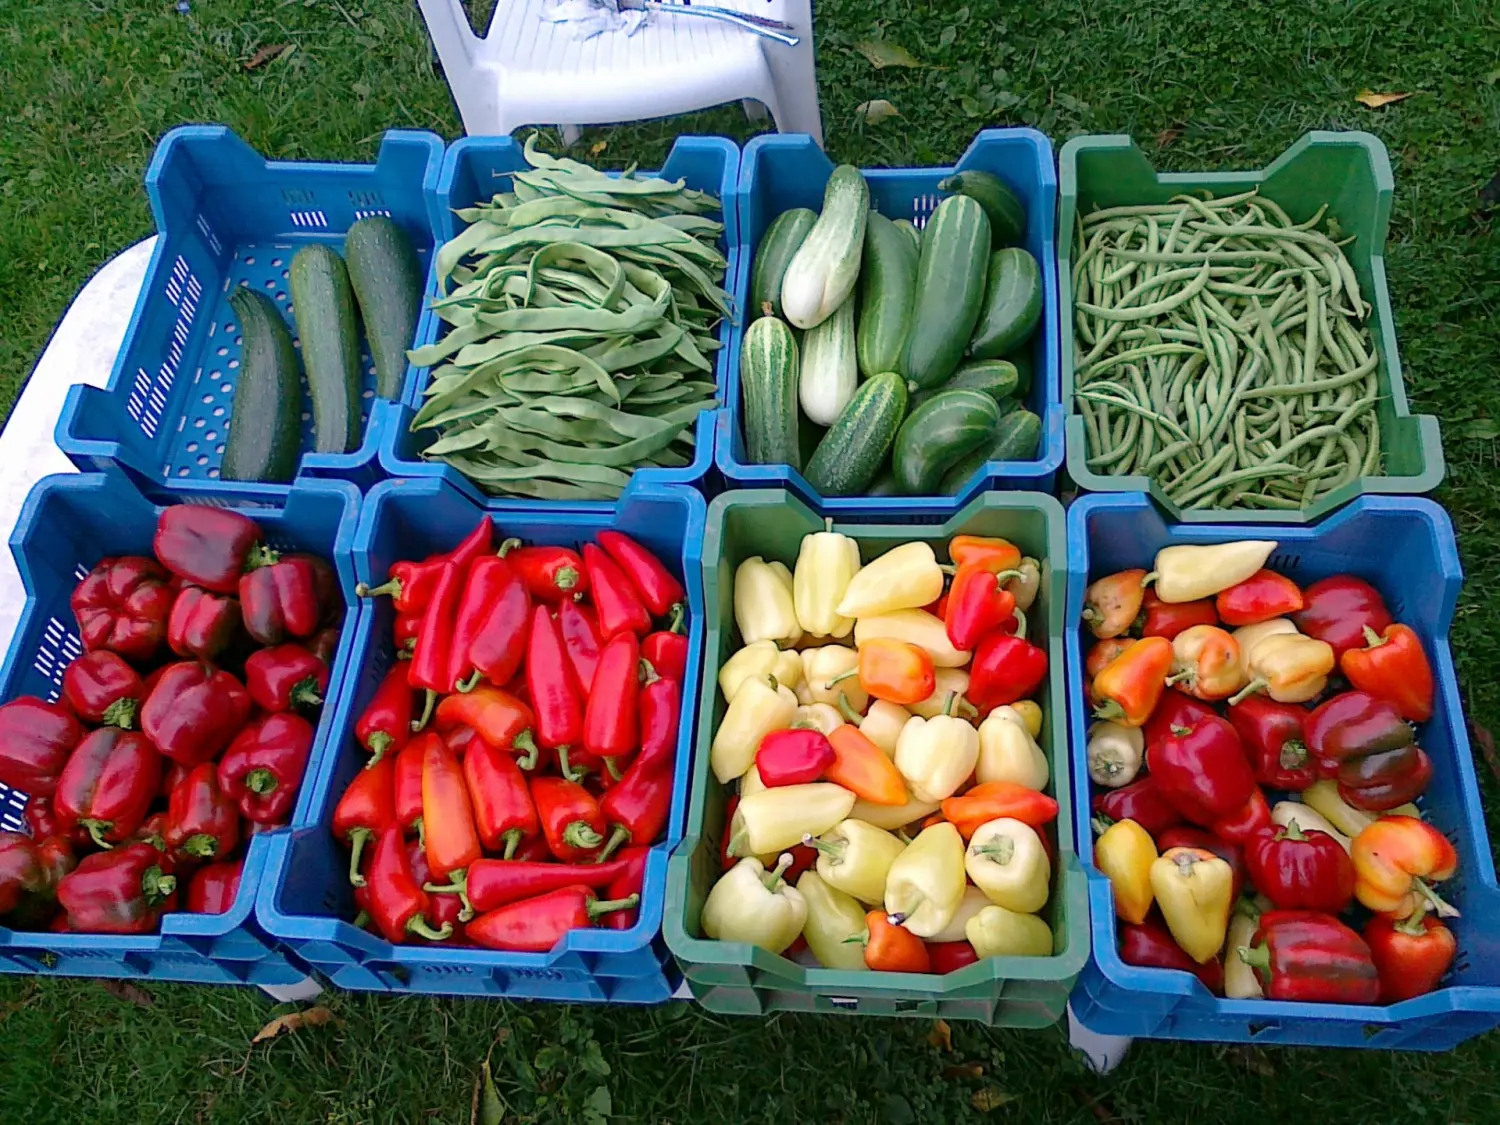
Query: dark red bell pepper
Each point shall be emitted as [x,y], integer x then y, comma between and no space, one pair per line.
[124,891]
[978,605]
[1173,709]
[172,774]
[616,604]
[101,688]
[324,644]
[214,888]
[285,678]
[1250,820]
[108,785]
[667,650]
[549,682]
[202,623]
[630,881]
[580,638]
[41,819]
[1300,870]
[367,808]
[535,925]
[1272,736]
[610,728]
[279,596]
[1202,770]
[384,726]
[202,822]
[30,871]
[194,711]
[1392,665]
[1186,836]
[1005,669]
[497,717]
[398,904]
[1364,742]
[659,591]
[572,823]
[404,633]
[1151,946]
[550,573]
[1311,956]
[950,956]
[263,767]
[793,757]
[408,795]
[451,839]
[1411,956]
[410,585]
[494,618]
[636,809]
[1261,597]
[209,547]
[492,883]
[504,814]
[1382,781]
[123,605]
[434,666]
[1166,619]
[1141,801]
[35,740]
[1339,609]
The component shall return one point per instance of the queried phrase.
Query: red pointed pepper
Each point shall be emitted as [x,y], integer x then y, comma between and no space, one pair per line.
[279,597]
[408,796]
[535,925]
[659,591]
[1393,666]
[263,767]
[636,809]
[1300,870]
[384,727]
[1339,609]
[285,677]
[108,785]
[793,757]
[1311,956]
[1005,669]
[122,605]
[35,741]
[209,547]
[101,688]
[1151,946]
[610,729]
[630,881]
[950,956]
[214,888]
[1186,836]
[572,824]
[442,909]
[1411,956]
[367,808]
[1202,770]
[410,585]
[504,815]
[435,663]
[550,573]
[978,604]
[1261,597]
[580,638]
[202,623]
[451,840]
[667,650]
[617,605]
[202,822]
[660,709]
[492,883]
[193,712]
[30,871]
[124,891]
[1166,619]
[497,717]
[1141,801]
[559,710]
[490,627]
[404,632]
[1272,735]
[398,904]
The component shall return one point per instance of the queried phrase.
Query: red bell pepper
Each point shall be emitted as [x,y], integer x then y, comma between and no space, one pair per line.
[950,956]
[978,605]
[124,891]
[550,573]
[535,925]
[202,822]
[451,841]
[404,632]
[637,808]
[1112,603]
[285,678]
[1272,736]
[572,823]
[172,775]
[667,650]
[435,663]
[1186,836]
[367,808]
[279,597]
[30,871]
[1250,820]
[492,883]
[208,547]
[793,757]
[1300,870]
[108,785]
[384,726]
[408,794]
[398,904]
[410,585]
[1379,782]
[1141,801]
[1005,669]
[153,831]
[1411,956]
[1202,770]
[263,767]
[497,717]
[202,623]
[35,741]
[1364,742]
[580,638]
[1393,666]
[504,815]
[101,688]
[1174,709]
[1150,945]
[193,712]
[1339,609]
[630,881]
[1131,685]
[559,710]
[214,888]
[123,605]
[658,590]
[41,819]
[616,604]
[610,728]
[1166,619]
[1310,956]
[490,628]
[1261,597]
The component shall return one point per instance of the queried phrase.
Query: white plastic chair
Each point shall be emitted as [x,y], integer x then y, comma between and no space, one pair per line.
[529,71]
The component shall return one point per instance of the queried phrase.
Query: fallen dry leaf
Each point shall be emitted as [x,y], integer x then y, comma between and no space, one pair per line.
[1167,136]
[941,1035]
[597,147]
[882,53]
[877,111]
[1375,101]
[990,1097]
[268,54]
[1486,743]
[130,993]
[294,1021]
[963,1070]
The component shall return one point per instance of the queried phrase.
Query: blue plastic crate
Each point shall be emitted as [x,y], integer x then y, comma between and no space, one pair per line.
[1405,547]
[475,169]
[779,172]
[226,216]
[306,900]
[67,525]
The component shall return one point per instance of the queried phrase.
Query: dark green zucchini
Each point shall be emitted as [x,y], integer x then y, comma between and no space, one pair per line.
[323,303]
[264,440]
[387,283]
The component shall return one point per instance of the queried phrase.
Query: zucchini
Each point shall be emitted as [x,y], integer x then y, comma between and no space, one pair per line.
[939,433]
[950,289]
[1016,439]
[854,449]
[387,283]
[265,425]
[1021,359]
[1007,214]
[768,389]
[888,284]
[822,273]
[1012,304]
[995,377]
[829,371]
[777,246]
[907,228]
[323,304]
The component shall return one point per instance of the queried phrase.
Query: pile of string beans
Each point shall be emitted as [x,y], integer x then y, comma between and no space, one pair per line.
[581,311]
[1221,350]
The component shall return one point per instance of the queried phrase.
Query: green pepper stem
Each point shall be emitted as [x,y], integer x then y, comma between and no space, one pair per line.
[1257,958]
[358,837]
[840,678]
[421,721]
[1254,686]
[613,766]
[1002,851]
[609,906]
[565,578]
[581,835]
[419,925]
[379,743]
[847,710]
[97,829]
[532,753]
[772,879]
[469,682]
[1021,622]
[570,771]
[1440,907]
[618,837]
[823,847]
[678,623]
[512,840]
[1101,824]
[120,713]
[391,588]
[507,547]
[261,782]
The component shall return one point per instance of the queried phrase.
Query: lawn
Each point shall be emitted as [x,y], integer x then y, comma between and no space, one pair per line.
[91,85]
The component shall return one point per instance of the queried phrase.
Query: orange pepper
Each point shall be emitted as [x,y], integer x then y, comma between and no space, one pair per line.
[995,799]
[1126,692]
[1395,860]
[994,555]
[862,768]
[896,671]
[1111,603]
[1206,661]
[894,949]
[1103,653]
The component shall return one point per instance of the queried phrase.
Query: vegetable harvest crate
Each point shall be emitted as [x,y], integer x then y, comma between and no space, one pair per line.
[737,978]
[1405,548]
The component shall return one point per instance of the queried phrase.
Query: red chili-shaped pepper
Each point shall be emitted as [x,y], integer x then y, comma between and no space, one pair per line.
[535,925]
[398,904]
[580,638]
[616,603]
[1261,597]
[667,650]
[978,604]
[124,891]
[202,623]
[1166,619]
[504,815]
[572,824]
[279,597]
[404,632]
[285,678]
[408,795]
[123,605]
[497,717]
[793,757]
[434,664]
[384,726]
[108,785]
[1411,956]
[193,712]
[35,741]
[214,888]
[494,613]
[1339,609]
[30,871]
[1202,770]
[1250,820]
[1311,956]
[610,729]
[202,822]
[1151,946]
[1005,669]
[1393,666]
[659,591]
[630,881]
[209,547]
[1186,836]
[660,709]
[559,711]
[367,808]
[101,688]
[1300,870]
[550,573]
[442,909]
[492,883]
[410,585]
[263,767]
[1141,801]
[637,808]
[950,956]
[451,840]
[1272,736]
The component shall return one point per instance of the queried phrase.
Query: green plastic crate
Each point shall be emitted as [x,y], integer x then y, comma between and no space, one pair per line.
[1351,173]
[739,979]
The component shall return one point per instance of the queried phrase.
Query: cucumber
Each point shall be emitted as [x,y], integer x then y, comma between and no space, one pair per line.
[1007,214]
[768,389]
[1012,304]
[1016,439]
[855,447]
[995,377]
[323,304]
[888,284]
[822,273]
[264,428]
[1021,359]
[829,370]
[387,283]
[777,246]
[950,289]
[939,433]
[911,232]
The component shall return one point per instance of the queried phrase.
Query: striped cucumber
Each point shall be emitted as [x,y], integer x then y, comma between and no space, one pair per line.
[780,243]
[995,377]
[323,303]
[822,273]
[939,433]
[905,227]
[830,371]
[768,389]
[950,289]
[1016,438]
[265,425]
[1012,304]
[888,286]
[854,449]
[1007,214]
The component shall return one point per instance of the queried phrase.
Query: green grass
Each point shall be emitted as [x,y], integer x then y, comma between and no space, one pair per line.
[91,85]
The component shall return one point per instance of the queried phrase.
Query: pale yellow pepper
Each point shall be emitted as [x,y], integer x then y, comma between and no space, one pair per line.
[750,781]
[1324,797]
[818,717]
[1289,667]
[882,724]
[762,658]
[1248,636]
[905,577]
[1187,572]
[775,819]
[998,932]
[835,922]
[937,755]
[822,666]
[949,683]
[763,605]
[855,857]
[926,882]
[1308,820]
[917,627]
[1031,715]
[1026,585]
[756,906]
[1125,853]
[826,562]
[760,706]
[1007,752]
[1241,982]
[892,817]
[1006,860]
[1195,890]
[973,902]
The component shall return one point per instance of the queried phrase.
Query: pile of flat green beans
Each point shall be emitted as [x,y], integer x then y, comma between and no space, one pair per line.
[1222,351]
[582,311]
